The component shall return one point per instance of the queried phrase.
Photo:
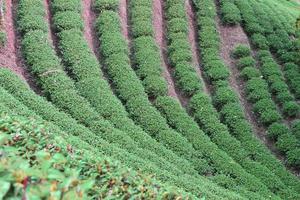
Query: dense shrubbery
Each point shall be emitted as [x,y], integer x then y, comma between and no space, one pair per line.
[221,164]
[247,61]
[241,51]
[85,70]
[257,92]
[278,35]
[241,129]
[292,77]
[61,91]
[296,128]
[71,127]
[179,50]
[130,90]
[99,116]
[272,73]
[273,36]
[229,12]
[146,56]
[32,155]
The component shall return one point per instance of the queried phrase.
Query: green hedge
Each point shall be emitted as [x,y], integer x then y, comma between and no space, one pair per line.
[83,65]
[179,49]
[131,91]
[207,117]
[70,126]
[247,61]
[241,130]
[241,51]
[64,20]
[145,53]
[296,128]
[221,163]
[272,36]
[273,74]
[278,33]
[257,92]
[60,89]
[44,164]
[100,5]
[292,78]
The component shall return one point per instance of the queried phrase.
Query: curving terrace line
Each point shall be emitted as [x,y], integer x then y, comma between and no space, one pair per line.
[158,22]
[231,36]
[89,18]
[10,54]
[194,42]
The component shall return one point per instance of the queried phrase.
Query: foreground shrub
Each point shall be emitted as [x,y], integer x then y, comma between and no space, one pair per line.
[40,164]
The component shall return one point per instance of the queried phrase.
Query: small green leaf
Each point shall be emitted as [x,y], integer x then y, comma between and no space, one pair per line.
[87,185]
[3,139]
[4,188]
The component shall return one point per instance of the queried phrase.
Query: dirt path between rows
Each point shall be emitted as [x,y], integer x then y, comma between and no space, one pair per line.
[124,18]
[230,37]
[89,18]
[161,40]
[10,55]
[194,42]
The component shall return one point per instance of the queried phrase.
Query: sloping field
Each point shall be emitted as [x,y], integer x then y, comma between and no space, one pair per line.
[149,99]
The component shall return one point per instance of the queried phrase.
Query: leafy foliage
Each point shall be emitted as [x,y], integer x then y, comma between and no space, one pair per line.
[38,164]
[229,12]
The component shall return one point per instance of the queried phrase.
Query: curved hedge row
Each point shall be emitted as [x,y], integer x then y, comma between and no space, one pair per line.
[292,78]
[50,152]
[47,111]
[131,91]
[277,86]
[223,95]
[224,169]
[286,49]
[271,35]
[59,88]
[84,68]
[251,26]
[183,44]
[12,105]
[273,74]
[145,53]
[257,93]
[179,50]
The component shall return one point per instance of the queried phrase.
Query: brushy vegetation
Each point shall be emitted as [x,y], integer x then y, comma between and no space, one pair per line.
[179,50]
[102,125]
[257,93]
[145,53]
[36,163]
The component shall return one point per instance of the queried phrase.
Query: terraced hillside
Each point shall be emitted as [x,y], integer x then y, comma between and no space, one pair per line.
[150,99]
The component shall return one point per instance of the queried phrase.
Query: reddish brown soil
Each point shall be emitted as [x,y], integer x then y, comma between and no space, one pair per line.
[10,55]
[193,39]
[89,18]
[124,18]
[230,37]
[160,38]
